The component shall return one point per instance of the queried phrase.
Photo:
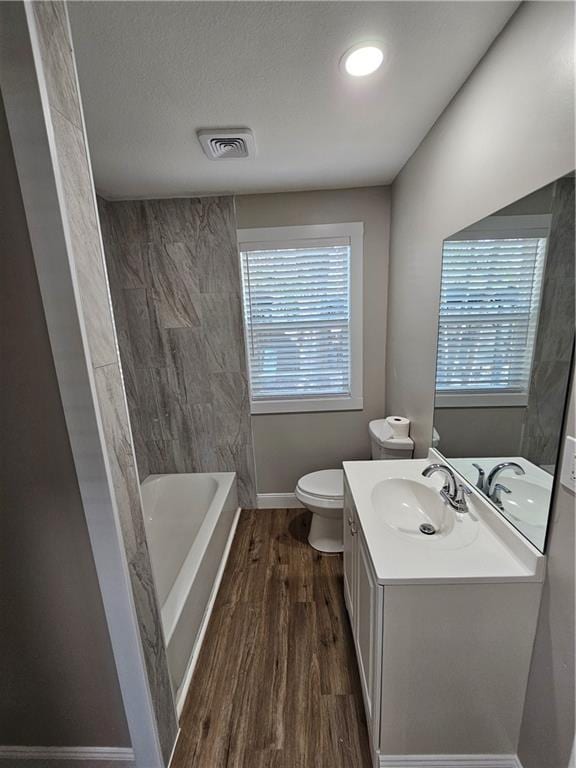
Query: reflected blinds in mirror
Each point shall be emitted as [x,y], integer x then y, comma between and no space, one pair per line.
[489,308]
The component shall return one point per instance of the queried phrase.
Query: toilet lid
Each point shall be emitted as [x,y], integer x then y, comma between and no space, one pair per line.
[328,483]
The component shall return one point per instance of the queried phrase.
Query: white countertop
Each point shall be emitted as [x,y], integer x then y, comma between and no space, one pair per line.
[498,553]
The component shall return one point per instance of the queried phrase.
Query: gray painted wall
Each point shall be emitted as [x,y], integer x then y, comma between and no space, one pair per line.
[59,682]
[494,144]
[479,431]
[537,202]
[288,446]
[509,131]
[174,275]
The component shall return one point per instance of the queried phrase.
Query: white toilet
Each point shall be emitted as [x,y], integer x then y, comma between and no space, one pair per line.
[323,492]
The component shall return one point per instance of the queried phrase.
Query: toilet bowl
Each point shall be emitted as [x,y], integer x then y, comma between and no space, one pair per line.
[323,494]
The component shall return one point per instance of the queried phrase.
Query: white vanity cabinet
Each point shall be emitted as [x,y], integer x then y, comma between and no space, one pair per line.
[443,663]
[363,597]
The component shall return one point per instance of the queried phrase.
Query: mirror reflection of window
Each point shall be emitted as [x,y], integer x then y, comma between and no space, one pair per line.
[489,305]
[505,344]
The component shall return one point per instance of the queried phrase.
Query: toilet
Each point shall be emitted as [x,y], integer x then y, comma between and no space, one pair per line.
[323,492]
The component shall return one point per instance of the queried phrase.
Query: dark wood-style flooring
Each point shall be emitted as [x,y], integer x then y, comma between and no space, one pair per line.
[276,684]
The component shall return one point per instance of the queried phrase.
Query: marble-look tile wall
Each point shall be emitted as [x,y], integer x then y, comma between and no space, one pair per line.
[78,208]
[174,275]
[555,337]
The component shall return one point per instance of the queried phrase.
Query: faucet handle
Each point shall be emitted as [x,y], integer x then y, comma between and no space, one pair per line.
[496,491]
[481,476]
[462,491]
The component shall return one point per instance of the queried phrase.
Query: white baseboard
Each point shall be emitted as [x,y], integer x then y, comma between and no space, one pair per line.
[448,761]
[278,501]
[38,757]
[187,679]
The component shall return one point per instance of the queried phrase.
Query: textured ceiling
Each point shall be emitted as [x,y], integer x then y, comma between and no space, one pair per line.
[153,73]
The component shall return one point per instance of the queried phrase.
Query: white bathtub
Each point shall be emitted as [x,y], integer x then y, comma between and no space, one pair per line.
[190,521]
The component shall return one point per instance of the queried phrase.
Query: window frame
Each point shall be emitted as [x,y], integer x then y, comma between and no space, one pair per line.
[290,236]
[496,227]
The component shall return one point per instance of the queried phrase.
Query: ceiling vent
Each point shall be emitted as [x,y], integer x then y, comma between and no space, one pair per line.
[228,144]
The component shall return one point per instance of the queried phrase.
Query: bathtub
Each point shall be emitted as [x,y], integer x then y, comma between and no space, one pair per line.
[190,521]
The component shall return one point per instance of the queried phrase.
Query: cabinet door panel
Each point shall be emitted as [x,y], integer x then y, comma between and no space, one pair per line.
[365,617]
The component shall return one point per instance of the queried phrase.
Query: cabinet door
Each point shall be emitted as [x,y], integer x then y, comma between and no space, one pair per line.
[349,555]
[366,629]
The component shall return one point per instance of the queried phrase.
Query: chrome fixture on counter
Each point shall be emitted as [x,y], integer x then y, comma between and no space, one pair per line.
[453,492]
[490,485]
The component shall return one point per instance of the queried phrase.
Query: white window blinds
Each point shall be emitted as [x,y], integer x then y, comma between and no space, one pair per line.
[489,314]
[297,315]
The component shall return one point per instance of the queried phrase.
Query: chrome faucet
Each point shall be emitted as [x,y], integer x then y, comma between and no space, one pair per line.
[453,492]
[491,488]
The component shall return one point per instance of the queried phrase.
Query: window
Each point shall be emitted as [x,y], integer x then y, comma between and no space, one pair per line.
[489,306]
[302,289]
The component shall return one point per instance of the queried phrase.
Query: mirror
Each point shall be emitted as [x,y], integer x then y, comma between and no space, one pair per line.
[504,357]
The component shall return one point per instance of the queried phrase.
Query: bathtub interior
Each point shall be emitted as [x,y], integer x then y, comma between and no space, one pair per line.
[175,507]
[188,557]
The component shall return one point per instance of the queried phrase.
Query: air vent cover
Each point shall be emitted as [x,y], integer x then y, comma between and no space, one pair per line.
[227,144]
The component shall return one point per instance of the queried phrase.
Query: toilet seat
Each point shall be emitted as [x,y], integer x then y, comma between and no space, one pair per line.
[323,489]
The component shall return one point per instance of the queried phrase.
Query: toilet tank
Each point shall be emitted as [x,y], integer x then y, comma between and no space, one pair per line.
[385,445]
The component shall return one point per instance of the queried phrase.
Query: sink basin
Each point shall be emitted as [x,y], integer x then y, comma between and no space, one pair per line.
[527,503]
[392,500]
[405,504]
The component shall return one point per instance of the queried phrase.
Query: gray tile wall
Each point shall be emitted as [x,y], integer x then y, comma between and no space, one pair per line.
[78,204]
[554,340]
[174,275]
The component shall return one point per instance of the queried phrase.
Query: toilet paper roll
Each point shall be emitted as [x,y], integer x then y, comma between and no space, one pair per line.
[400,425]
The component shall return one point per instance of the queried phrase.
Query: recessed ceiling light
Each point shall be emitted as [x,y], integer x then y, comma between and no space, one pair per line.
[362,59]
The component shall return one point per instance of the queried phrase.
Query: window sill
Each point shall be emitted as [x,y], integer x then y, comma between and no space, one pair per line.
[307,405]
[477,400]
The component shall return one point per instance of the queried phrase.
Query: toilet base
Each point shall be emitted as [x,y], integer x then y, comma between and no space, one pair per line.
[326,533]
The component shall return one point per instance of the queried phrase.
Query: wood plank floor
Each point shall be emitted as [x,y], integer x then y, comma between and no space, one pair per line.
[276,684]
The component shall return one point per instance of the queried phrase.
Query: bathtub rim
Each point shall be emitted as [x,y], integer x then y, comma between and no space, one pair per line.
[181,694]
